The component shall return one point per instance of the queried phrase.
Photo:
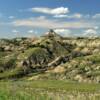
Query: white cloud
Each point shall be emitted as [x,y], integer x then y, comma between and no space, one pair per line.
[52,11]
[63,32]
[96,16]
[96,27]
[60,16]
[11,17]
[77,15]
[90,32]
[31,31]
[42,22]
[15,31]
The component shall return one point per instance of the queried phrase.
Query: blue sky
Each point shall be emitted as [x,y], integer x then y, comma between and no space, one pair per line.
[35,17]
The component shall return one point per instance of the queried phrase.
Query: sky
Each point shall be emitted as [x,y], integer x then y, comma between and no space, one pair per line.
[29,18]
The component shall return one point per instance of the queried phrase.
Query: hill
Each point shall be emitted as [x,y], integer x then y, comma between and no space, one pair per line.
[50,57]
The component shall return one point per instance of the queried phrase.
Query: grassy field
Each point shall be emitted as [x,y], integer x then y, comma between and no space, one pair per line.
[48,90]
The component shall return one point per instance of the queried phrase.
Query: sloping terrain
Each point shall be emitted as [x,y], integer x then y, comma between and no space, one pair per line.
[50,57]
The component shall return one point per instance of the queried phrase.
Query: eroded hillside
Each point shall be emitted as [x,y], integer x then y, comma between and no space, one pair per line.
[50,57]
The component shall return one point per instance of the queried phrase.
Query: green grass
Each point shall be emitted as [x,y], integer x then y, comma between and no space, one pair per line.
[10,73]
[48,90]
[94,58]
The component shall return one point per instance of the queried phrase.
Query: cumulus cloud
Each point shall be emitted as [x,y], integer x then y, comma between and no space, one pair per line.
[63,32]
[77,15]
[52,11]
[42,22]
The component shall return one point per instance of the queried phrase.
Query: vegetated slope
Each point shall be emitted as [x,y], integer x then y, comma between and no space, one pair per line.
[51,57]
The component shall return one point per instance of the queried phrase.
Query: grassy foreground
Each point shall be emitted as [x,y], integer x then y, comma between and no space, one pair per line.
[48,90]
